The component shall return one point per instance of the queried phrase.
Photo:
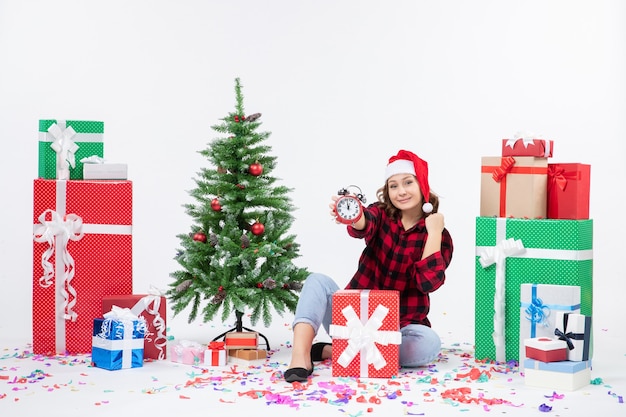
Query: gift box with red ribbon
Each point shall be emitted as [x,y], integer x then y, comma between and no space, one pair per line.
[524,146]
[151,307]
[241,340]
[514,187]
[568,191]
[366,333]
[82,252]
[215,354]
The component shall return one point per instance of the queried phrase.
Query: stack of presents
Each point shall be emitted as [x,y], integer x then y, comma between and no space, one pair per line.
[534,261]
[83,299]
[235,344]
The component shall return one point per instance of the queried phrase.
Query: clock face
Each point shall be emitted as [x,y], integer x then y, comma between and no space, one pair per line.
[348,208]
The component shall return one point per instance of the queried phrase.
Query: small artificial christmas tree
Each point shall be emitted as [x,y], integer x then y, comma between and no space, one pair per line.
[239,255]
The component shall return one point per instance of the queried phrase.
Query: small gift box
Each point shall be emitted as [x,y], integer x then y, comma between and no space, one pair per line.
[575,331]
[563,375]
[241,340]
[62,145]
[152,308]
[215,354]
[527,145]
[187,352]
[568,191]
[117,341]
[546,349]
[248,354]
[96,168]
[365,331]
[513,187]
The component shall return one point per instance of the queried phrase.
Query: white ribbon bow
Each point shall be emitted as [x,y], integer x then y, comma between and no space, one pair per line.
[57,232]
[65,148]
[525,137]
[498,255]
[362,338]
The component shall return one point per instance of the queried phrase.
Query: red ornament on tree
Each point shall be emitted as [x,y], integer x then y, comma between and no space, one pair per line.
[241,187]
[259,285]
[257,228]
[199,237]
[215,204]
[255,169]
[236,118]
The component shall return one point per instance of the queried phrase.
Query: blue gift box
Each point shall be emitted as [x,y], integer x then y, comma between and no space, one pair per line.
[118,344]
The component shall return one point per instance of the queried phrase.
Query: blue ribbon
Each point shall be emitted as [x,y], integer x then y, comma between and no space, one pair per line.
[537,312]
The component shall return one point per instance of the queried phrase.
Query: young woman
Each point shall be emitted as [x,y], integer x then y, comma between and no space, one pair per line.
[407,248]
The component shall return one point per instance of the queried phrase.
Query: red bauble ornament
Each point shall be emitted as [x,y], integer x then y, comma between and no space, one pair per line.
[259,285]
[255,169]
[257,228]
[236,118]
[199,237]
[241,187]
[215,204]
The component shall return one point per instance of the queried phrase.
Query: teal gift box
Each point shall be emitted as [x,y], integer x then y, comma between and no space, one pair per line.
[511,252]
[87,136]
[118,344]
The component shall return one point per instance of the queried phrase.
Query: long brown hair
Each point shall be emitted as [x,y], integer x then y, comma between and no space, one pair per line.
[382,194]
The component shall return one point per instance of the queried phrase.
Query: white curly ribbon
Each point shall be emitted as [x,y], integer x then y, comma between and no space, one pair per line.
[151,304]
[57,232]
[363,334]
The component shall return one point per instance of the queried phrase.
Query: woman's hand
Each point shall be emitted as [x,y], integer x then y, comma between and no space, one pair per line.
[333,212]
[434,223]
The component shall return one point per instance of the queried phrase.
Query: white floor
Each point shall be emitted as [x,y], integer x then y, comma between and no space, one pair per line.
[69,386]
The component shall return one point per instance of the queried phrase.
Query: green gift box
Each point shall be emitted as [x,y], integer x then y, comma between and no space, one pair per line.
[511,252]
[86,140]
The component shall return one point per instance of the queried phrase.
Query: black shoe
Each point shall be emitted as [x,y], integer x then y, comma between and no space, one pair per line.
[316,351]
[297,374]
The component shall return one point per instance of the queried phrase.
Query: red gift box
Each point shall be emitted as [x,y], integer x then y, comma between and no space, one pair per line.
[545,349]
[527,147]
[513,187]
[365,331]
[82,252]
[152,308]
[568,191]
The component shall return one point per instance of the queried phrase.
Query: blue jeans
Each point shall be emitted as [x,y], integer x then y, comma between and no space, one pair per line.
[420,344]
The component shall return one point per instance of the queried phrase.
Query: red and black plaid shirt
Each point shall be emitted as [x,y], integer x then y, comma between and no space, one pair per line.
[391,261]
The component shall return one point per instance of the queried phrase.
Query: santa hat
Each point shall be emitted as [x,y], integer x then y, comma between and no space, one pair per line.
[406,162]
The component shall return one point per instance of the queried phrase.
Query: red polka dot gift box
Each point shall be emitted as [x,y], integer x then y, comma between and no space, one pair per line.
[366,333]
[82,252]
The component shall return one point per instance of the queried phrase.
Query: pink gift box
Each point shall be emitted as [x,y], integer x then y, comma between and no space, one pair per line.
[82,252]
[365,325]
[187,352]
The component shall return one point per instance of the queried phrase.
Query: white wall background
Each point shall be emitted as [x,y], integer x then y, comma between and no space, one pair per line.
[342,85]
